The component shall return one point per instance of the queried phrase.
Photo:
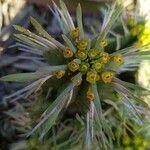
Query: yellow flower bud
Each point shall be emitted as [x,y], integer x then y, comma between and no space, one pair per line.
[107,77]
[73,66]
[84,67]
[93,53]
[92,77]
[104,43]
[97,66]
[59,74]
[67,52]
[90,95]
[82,44]
[82,55]
[104,57]
[118,59]
[75,33]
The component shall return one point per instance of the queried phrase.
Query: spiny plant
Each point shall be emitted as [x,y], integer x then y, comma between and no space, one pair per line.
[81,76]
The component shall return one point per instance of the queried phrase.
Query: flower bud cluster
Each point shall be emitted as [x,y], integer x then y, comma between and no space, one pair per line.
[92,63]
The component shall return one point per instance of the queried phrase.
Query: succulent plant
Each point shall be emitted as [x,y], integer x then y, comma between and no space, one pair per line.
[81,76]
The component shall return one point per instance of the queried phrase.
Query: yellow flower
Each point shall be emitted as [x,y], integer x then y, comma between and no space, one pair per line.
[104,43]
[82,55]
[118,59]
[59,74]
[93,53]
[97,66]
[107,76]
[67,52]
[73,66]
[82,44]
[92,77]
[146,30]
[104,57]
[84,67]
[90,95]
[75,33]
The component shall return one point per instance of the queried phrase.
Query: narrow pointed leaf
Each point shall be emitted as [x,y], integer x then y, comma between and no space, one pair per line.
[40,29]
[21,77]
[109,22]
[69,43]
[30,41]
[101,119]
[79,20]
[25,77]
[67,15]
[57,105]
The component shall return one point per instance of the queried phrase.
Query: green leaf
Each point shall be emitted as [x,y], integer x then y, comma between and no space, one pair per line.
[25,77]
[109,21]
[144,53]
[79,20]
[49,69]
[55,108]
[51,42]
[113,104]
[80,119]
[21,77]
[131,107]
[40,29]
[97,100]
[131,85]
[70,24]
[101,120]
[126,50]
[54,57]
[31,42]
[127,91]
[50,122]
[88,133]
[23,30]
[69,43]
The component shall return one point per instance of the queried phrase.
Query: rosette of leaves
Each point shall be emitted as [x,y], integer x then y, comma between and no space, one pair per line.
[81,77]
